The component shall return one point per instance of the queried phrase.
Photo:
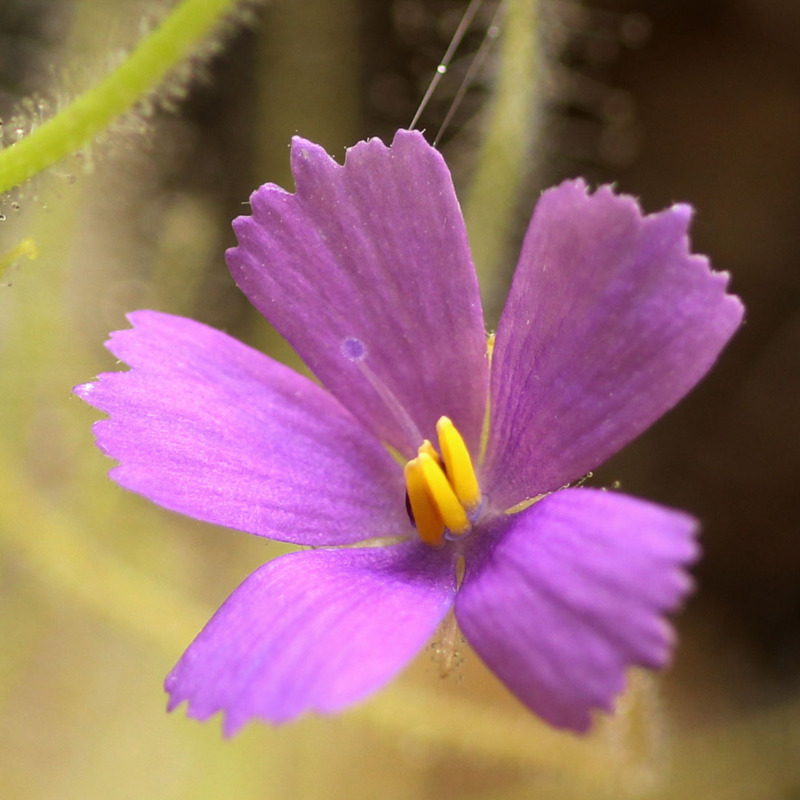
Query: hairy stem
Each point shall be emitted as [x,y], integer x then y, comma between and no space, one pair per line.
[95,109]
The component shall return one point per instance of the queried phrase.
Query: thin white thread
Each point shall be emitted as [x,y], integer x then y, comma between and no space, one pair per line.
[477,62]
[463,27]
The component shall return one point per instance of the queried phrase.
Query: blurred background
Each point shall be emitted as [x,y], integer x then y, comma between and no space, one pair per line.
[100,592]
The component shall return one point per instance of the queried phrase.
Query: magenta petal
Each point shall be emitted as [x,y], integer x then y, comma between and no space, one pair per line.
[313,631]
[610,321]
[366,271]
[572,593]
[211,428]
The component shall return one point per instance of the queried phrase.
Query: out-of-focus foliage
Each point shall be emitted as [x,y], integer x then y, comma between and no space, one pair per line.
[100,591]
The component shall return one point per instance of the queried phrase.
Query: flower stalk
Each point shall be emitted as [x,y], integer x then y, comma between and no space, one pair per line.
[94,110]
[510,128]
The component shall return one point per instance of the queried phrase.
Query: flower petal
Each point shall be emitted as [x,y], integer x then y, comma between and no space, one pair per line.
[366,271]
[610,321]
[313,631]
[208,427]
[573,592]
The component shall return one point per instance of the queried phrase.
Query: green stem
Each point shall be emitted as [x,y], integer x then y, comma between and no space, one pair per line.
[96,108]
[503,161]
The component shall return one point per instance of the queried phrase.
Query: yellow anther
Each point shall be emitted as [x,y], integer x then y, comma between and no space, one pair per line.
[441,493]
[427,518]
[442,489]
[458,464]
[427,447]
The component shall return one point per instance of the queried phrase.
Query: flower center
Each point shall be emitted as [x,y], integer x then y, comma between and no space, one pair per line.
[443,490]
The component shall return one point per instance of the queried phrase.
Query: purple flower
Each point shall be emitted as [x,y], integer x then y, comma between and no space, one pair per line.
[366,271]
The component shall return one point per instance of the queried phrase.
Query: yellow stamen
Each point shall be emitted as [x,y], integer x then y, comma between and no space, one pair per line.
[442,495]
[427,447]
[430,526]
[442,489]
[458,464]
